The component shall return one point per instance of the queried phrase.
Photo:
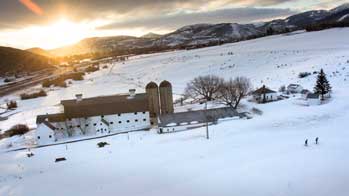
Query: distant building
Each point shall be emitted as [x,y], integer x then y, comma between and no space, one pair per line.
[294,88]
[264,94]
[107,114]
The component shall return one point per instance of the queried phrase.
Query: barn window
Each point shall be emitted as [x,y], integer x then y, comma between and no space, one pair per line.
[78,125]
[111,123]
[94,124]
[86,125]
[135,113]
[119,114]
[38,137]
[143,112]
[144,119]
[136,120]
[102,116]
[128,121]
[50,136]
[71,126]
[119,122]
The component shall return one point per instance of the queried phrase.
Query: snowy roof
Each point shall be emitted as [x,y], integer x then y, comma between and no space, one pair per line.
[201,116]
[293,86]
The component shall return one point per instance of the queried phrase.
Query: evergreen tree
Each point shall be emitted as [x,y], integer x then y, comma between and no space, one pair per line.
[322,86]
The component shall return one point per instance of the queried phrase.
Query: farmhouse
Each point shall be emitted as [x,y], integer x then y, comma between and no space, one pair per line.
[264,94]
[107,114]
[294,88]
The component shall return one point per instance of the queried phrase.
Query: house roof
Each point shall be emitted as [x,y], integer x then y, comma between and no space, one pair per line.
[105,105]
[60,117]
[293,86]
[263,90]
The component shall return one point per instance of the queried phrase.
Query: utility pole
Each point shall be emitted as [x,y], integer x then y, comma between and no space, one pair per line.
[206,118]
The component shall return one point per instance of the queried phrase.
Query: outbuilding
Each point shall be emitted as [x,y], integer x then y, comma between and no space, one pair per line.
[264,94]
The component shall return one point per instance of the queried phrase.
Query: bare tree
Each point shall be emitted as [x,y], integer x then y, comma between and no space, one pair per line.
[204,87]
[232,91]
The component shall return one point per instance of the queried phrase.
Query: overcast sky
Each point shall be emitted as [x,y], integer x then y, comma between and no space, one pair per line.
[54,23]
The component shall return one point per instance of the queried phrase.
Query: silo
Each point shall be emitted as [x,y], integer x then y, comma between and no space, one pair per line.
[152,91]
[166,99]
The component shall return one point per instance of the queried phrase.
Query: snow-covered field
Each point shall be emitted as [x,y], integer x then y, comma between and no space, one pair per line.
[261,156]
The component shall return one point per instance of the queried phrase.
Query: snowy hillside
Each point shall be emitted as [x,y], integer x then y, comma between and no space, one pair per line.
[261,156]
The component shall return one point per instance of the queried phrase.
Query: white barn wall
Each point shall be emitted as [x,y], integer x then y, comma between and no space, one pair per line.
[44,135]
[89,126]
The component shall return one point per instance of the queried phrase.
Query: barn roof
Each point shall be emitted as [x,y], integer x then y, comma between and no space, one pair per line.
[201,116]
[263,90]
[105,105]
[60,117]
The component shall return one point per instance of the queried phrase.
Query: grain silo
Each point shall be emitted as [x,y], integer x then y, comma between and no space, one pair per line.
[166,99]
[152,91]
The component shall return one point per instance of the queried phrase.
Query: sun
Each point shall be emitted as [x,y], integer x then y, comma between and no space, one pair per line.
[63,32]
[59,33]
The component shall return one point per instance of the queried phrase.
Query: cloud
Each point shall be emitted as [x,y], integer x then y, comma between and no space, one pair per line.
[14,14]
[140,13]
[238,15]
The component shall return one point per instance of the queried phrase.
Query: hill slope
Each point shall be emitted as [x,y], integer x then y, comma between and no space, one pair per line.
[40,51]
[15,60]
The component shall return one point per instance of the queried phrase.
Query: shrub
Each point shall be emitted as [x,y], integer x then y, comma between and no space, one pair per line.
[11,105]
[41,93]
[102,144]
[7,80]
[257,111]
[19,129]
[60,81]
[92,68]
[304,74]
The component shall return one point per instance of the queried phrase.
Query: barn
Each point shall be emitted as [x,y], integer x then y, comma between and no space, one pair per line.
[107,114]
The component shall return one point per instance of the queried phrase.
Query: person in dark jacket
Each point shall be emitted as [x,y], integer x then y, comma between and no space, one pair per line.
[316,140]
[306,142]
